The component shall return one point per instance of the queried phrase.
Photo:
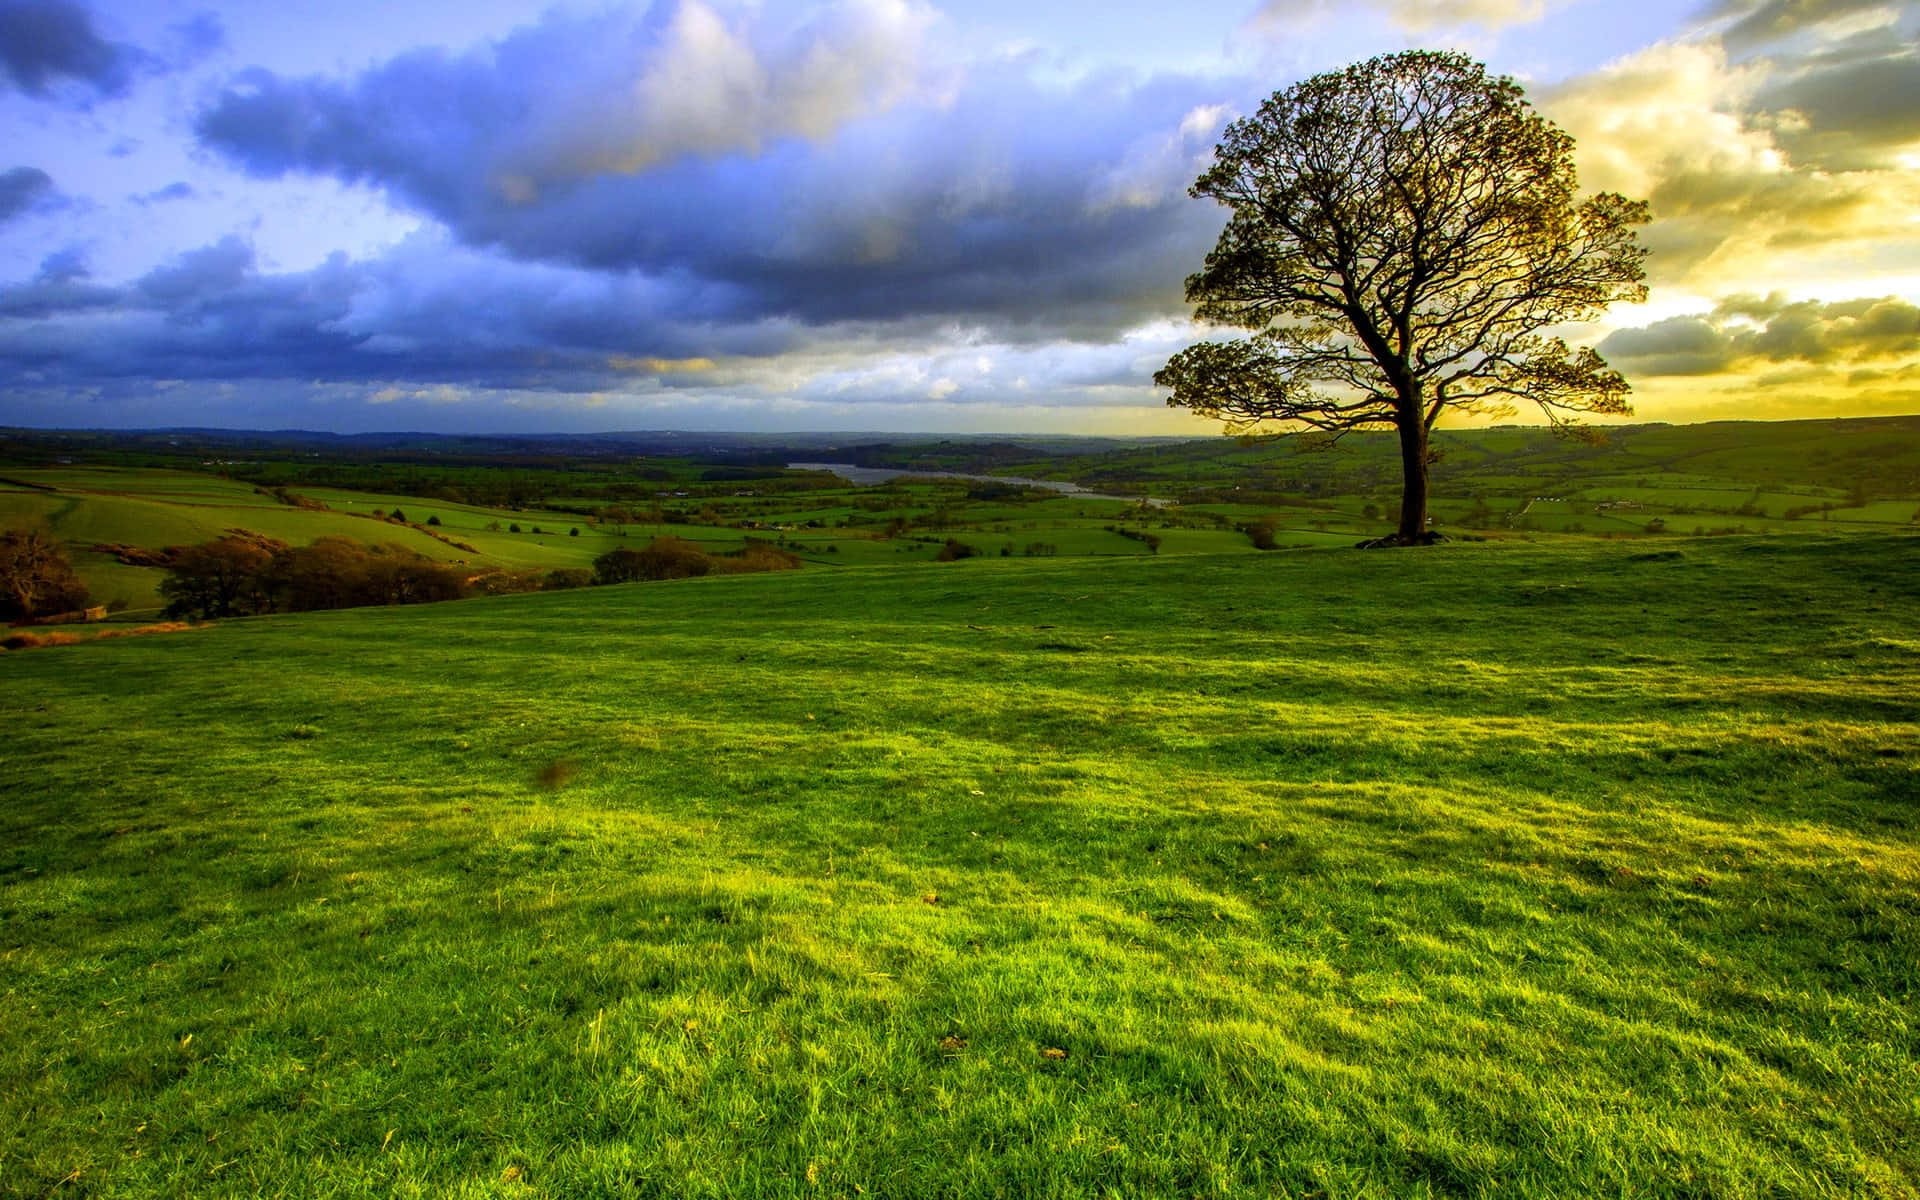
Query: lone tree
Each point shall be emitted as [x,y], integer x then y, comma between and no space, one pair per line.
[36,580]
[1404,234]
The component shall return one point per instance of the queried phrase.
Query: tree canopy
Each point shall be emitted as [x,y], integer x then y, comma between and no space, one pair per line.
[1404,238]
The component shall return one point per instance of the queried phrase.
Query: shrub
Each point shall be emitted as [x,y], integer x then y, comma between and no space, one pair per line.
[675,558]
[29,641]
[433,519]
[955,550]
[663,558]
[566,577]
[507,583]
[758,556]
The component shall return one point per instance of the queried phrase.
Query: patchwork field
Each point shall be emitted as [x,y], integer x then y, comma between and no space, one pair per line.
[87,507]
[1574,869]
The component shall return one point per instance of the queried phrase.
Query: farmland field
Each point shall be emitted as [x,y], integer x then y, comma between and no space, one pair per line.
[532,513]
[1568,869]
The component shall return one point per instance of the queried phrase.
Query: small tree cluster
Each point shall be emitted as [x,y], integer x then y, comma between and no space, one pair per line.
[663,558]
[243,575]
[676,558]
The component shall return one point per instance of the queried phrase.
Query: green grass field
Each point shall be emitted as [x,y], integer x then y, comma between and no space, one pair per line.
[87,506]
[1574,870]
[1857,476]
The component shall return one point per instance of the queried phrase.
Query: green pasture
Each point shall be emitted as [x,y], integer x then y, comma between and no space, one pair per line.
[1568,869]
[155,509]
[1501,482]
[1883,512]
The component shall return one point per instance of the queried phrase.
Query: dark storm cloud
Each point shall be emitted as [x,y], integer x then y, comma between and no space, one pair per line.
[1758,21]
[991,199]
[207,314]
[678,206]
[61,286]
[1676,346]
[1747,332]
[428,313]
[48,43]
[1853,107]
[204,274]
[22,189]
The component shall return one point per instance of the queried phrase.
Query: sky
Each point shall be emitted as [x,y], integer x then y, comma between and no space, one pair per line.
[881,215]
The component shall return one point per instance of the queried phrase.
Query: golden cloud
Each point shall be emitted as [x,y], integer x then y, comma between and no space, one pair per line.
[1745,333]
[649,365]
[1685,128]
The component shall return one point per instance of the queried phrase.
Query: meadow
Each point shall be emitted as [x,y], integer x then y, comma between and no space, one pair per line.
[1577,868]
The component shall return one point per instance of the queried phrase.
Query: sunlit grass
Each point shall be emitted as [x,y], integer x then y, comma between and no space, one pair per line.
[1494,870]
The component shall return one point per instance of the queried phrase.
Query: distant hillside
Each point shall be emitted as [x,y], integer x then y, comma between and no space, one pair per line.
[1859,458]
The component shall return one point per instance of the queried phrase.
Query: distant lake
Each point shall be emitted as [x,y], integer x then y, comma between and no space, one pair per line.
[870,475]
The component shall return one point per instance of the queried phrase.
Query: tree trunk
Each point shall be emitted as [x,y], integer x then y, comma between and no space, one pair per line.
[1413,496]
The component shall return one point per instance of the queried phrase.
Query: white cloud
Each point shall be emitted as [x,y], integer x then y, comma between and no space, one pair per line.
[704,81]
[1409,16]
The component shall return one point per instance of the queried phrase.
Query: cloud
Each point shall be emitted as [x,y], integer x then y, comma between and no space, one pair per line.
[22,190]
[1757,21]
[575,98]
[200,275]
[432,327]
[426,312]
[1745,333]
[828,173]
[197,38]
[178,190]
[652,365]
[61,286]
[48,43]
[1854,107]
[1410,16]
[1680,125]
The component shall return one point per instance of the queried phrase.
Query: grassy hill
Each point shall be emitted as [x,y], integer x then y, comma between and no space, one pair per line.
[1525,870]
[1736,476]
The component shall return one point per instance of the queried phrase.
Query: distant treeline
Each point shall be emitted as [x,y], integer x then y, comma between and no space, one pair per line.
[575,488]
[244,574]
